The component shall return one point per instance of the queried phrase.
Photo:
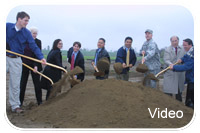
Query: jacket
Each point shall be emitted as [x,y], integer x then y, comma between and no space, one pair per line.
[121,57]
[54,57]
[173,80]
[188,66]
[152,56]
[103,53]
[79,61]
[28,52]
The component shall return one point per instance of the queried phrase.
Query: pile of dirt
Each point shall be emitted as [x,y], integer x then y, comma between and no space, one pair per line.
[109,103]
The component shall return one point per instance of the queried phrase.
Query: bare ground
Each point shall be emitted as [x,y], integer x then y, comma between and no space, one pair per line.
[21,121]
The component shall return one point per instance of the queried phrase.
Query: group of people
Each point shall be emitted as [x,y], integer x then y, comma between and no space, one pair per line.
[21,40]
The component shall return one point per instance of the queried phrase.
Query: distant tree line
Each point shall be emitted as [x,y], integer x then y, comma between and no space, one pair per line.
[87,52]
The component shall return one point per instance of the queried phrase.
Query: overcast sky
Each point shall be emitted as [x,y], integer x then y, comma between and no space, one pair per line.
[88,23]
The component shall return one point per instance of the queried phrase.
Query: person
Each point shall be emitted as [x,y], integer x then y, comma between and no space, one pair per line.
[173,81]
[151,57]
[101,52]
[25,70]
[127,57]
[54,57]
[17,37]
[187,65]
[75,58]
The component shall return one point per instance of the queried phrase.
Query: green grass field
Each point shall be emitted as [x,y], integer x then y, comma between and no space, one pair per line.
[64,57]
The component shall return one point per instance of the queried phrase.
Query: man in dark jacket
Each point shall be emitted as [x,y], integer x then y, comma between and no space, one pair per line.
[127,57]
[100,53]
[188,66]
[75,58]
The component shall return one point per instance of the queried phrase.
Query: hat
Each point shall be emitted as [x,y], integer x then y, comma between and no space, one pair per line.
[148,30]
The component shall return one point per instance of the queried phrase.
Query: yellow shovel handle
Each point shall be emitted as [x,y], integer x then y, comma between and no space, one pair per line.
[142,58]
[95,68]
[38,73]
[36,60]
[164,70]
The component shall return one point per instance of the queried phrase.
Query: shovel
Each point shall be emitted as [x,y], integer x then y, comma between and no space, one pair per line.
[118,67]
[44,77]
[53,92]
[142,67]
[58,85]
[103,64]
[155,77]
[38,73]
[98,73]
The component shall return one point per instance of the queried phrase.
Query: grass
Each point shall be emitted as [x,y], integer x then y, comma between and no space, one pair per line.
[64,57]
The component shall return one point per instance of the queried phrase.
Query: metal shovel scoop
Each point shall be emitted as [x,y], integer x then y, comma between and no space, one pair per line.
[103,64]
[142,67]
[118,67]
[98,73]
[64,80]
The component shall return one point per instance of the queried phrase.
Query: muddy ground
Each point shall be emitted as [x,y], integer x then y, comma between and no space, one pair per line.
[21,121]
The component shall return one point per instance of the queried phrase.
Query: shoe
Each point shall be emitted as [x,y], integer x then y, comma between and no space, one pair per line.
[18,110]
[39,103]
[190,104]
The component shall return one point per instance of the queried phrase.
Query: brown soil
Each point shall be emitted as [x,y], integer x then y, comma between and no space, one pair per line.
[22,121]
[103,64]
[109,104]
[118,67]
[142,68]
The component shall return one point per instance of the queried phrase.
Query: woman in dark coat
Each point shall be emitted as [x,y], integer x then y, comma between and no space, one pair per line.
[77,59]
[26,71]
[54,57]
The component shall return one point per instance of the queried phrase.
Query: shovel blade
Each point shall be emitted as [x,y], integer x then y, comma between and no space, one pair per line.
[99,74]
[74,82]
[152,77]
[56,87]
[75,71]
[118,67]
[142,68]
[103,64]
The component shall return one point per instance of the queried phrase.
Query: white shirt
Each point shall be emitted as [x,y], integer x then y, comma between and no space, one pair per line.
[16,28]
[175,48]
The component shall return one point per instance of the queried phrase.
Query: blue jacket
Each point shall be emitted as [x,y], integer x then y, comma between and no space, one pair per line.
[17,41]
[188,66]
[121,57]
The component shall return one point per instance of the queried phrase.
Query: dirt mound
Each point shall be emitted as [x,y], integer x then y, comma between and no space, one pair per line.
[109,103]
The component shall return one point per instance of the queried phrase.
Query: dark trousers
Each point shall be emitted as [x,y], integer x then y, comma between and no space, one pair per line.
[178,96]
[48,94]
[36,82]
[190,95]
[102,78]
